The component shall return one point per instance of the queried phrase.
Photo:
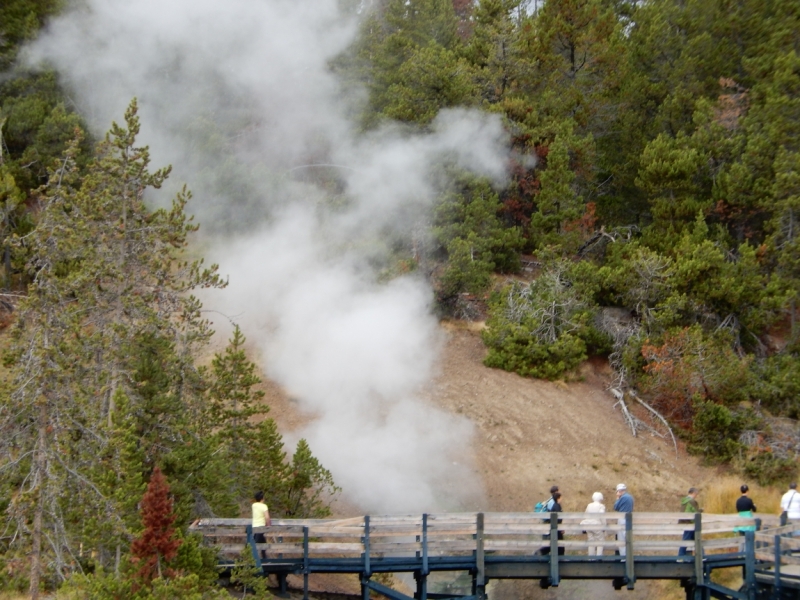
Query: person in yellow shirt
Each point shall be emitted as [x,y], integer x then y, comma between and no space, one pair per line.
[260,518]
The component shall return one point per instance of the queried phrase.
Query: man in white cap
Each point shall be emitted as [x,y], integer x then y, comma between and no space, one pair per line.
[624,504]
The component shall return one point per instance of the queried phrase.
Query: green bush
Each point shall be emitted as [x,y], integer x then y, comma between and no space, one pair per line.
[542,329]
[106,586]
[520,353]
[715,432]
[778,384]
[768,468]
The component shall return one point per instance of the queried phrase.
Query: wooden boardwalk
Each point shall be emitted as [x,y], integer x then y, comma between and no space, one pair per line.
[523,546]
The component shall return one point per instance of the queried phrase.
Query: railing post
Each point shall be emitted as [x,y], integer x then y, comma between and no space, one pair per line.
[305,563]
[777,570]
[425,569]
[422,575]
[364,587]
[422,586]
[480,572]
[750,564]
[630,575]
[698,548]
[554,578]
[367,566]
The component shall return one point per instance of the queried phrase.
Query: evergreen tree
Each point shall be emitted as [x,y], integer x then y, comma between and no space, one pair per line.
[493,50]
[88,307]
[408,59]
[307,485]
[20,20]
[157,546]
[475,239]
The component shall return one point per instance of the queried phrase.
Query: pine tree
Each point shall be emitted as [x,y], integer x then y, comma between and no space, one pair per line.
[231,403]
[308,484]
[407,56]
[11,198]
[559,202]
[492,49]
[90,306]
[231,397]
[157,545]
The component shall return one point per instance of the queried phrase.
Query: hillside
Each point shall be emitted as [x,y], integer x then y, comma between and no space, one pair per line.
[530,434]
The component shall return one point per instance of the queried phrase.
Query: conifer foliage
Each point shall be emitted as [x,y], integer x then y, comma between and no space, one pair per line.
[104,388]
[154,549]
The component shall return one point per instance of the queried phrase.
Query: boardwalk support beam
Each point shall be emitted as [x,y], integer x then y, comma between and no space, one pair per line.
[777,565]
[479,581]
[422,586]
[367,572]
[554,577]
[630,574]
[422,575]
[750,564]
[698,548]
[305,563]
[367,566]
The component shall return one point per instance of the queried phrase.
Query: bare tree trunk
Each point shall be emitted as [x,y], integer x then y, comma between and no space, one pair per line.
[6,247]
[38,515]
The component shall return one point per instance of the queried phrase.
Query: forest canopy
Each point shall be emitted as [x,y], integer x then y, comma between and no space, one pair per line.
[652,212]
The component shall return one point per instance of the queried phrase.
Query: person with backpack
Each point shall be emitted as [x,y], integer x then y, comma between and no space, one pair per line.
[555,507]
[547,505]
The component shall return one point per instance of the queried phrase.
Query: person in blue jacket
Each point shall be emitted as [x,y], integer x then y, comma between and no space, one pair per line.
[624,504]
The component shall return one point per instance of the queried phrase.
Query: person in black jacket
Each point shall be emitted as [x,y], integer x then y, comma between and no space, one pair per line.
[745,508]
[744,503]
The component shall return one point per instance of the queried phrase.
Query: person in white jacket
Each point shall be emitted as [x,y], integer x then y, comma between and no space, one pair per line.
[790,502]
[594,526]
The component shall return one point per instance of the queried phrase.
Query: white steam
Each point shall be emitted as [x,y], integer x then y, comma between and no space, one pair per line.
[240,98]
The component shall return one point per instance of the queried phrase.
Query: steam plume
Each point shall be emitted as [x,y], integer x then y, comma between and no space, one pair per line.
[237,95]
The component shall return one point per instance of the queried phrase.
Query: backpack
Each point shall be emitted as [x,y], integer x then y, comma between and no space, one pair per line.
[544,506]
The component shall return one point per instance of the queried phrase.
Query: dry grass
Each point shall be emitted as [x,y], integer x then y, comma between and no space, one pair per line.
[720,496]
[667,590]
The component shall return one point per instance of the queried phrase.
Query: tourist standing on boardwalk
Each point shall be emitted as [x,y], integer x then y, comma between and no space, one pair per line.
[744,504]
[548,506]
[594,527]
[623,504]
[745,508]
[260,519]
[555,507]
[689,505]
[790,503]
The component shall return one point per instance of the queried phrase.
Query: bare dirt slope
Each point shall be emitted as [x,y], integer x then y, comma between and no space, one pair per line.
[530,434]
